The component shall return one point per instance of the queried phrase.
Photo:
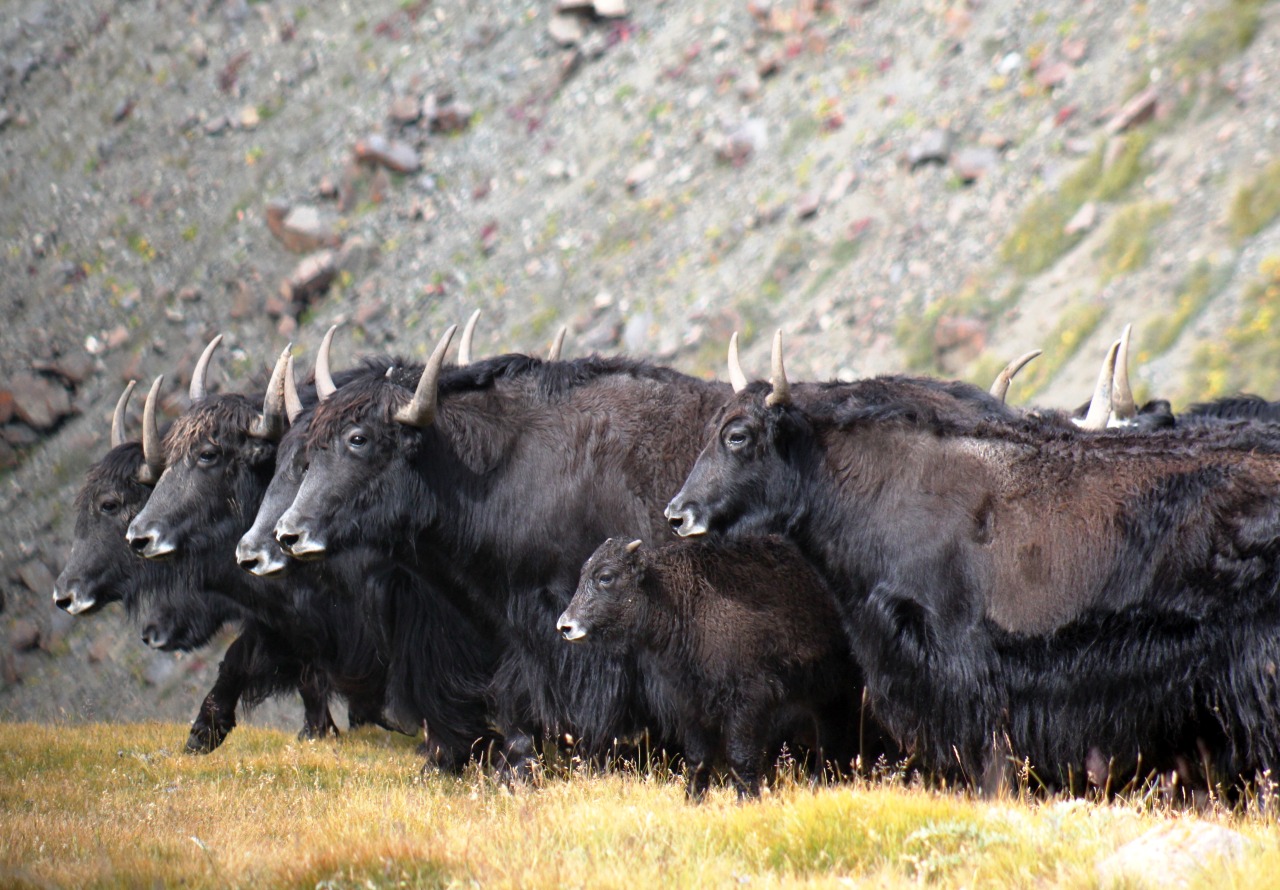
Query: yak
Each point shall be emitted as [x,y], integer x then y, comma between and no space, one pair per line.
[1016,591]
[180,613]
[500,478]
[439,661]
[302,631]
[740,644]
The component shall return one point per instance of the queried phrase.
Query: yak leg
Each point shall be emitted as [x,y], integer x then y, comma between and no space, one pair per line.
[699,750]
[317,722]
[745,751]
[217,714]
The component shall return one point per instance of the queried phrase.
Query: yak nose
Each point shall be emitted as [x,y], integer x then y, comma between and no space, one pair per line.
[260,560]
[684,520]
[147,541]
[570,628]
[155,637]
[63,599]
[298,542]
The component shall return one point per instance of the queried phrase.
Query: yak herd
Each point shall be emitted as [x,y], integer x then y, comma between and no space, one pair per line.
[898,569]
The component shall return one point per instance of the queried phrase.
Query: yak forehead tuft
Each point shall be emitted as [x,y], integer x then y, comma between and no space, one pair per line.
[117,470]
[217,418]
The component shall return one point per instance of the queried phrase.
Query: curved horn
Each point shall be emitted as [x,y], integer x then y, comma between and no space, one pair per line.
[152,453]
[781,394]
[634,545]
[117,418]
[1122,396]
[421,410]
[736,377]
[199,388]
[269,424]
[324,380]
[1000,388]
[292,401]
[468,332]
[554,354]
[1100,404]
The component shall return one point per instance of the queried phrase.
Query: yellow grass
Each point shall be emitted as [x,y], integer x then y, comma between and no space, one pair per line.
[120,806]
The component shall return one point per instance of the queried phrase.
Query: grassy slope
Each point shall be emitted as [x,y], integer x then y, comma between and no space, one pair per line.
[112,806]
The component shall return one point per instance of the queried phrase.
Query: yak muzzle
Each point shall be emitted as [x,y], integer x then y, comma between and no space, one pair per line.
[298,542]
[263,561]
[150,541]
[684,519]
[570,628]
[71,600]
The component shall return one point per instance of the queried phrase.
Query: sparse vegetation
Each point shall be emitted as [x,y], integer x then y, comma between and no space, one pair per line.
[1219,35]
[1244,355]
[1040,237]
[1073,329]
[1128,244]
[1255,204]
[1161,331]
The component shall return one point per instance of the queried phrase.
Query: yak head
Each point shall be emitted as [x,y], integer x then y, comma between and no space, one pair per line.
[218,458]
[748,474]
[100,568]
[608,595]
[362,442]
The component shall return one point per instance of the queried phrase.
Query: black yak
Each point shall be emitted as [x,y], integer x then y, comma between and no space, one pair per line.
[1014,587]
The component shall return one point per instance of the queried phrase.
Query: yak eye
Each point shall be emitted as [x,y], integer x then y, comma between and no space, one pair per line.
[207,456]
[736,438]
[357,440]
[109,506]
[605,579]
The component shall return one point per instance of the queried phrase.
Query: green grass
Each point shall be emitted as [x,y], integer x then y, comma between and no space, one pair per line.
[1160,332]
[1217,37]
[120,806]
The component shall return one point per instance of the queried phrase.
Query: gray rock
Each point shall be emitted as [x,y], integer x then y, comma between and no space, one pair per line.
[310,278]
[24,636]
[974,162]
[565,30]
[36,576]
[931,147]
[390,153]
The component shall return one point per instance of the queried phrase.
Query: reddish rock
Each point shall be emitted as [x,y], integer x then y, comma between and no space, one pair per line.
[641,173]
[1138,110]
[609,9]
[242,302]
[37,401]
[1074,51]
[310,278]
[489,237]
[6,406]
[1052,74]
[1084,219]
[24,635]
[368,311]
[390,153]
[966,337]
[738,144]
[450,117]
[301,229]
[101,649]
[117,337]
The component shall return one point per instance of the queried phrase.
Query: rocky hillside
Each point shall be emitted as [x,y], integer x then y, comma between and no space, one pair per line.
[934,186]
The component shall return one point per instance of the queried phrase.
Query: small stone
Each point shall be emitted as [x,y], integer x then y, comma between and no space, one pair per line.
[974,162]
[1053,74]
[301,229]
[1083,220]
[610,9]
[287,326]
[24,636]
[641,173]
[327,188]
[565,30]
[405,110]
[840,186]
[749,86]
[1009,64]
[249,117]
[36,576]
[356,255]
[579,7]
[6,406]
[489,237]
[390,153]
[216,125]
[932,147]
[738,144]
[101,649]
[451,117]
[769,65]
[1075,50]
[189,294]
[123,109]
[368,311]
[1138,110]
[807,205]
[37,401]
